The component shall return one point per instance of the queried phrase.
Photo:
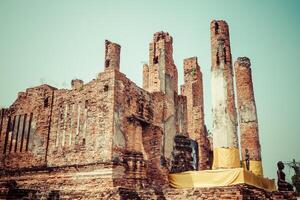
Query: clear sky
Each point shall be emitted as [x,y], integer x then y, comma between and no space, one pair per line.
[54,41]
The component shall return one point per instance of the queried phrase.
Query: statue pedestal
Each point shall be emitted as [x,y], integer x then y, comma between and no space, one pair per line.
[220,178]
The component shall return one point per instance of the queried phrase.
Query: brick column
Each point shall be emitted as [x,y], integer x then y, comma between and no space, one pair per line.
[162,75]
[247,115]
[225,139]
[112,55]
[193,90]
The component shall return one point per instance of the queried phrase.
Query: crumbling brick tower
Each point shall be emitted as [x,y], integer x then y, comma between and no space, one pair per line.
[112,55]
[247,115]
[162,73]
[225,139]
[193,90]
[161,77]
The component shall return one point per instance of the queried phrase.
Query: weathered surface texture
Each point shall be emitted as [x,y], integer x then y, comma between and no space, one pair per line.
[224,113]
[112,55]
[111,139]
[161,80]
[121,133]
[162,70]
[25,128]
[82,123]
[193,90]
[247,110]
[225,139]
[91,184]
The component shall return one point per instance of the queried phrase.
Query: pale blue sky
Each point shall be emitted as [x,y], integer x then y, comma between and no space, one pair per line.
[54,41]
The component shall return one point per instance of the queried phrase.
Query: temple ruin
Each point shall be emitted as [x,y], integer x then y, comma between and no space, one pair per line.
[111,139]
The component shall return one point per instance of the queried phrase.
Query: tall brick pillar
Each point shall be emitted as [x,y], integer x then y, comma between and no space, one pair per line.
[247,115]
[162,75]
[112,55]
[193,90]
[225,139]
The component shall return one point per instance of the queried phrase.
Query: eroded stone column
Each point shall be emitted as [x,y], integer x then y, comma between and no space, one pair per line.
[162,70]
[193,90]
[225,139]
[247,115]
[163,78]
[112,55]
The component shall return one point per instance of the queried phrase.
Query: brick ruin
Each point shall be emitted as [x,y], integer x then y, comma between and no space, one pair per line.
[193,90]
[111,139]
[247,114]
[223,104]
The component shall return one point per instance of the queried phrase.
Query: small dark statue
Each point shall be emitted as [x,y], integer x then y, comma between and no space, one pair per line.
[281,183]
[296,178]
[247,159]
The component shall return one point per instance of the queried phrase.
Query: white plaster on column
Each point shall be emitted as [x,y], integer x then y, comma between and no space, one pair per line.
[224,129]
[248,112]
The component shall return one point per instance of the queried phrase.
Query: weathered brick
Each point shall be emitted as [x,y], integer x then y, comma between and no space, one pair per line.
[110,139]
[223,104]
[247,111]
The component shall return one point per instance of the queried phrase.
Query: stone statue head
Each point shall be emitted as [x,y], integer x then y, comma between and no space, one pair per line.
[247,152]
[280,165]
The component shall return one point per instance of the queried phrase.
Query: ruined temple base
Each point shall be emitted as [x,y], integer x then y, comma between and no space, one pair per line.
[237,192]
[106,181]
[220,178]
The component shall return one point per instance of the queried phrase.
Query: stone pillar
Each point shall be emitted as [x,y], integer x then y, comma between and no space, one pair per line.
[247,115]
[162,70]
[112,55]
[193,90]
[225,139]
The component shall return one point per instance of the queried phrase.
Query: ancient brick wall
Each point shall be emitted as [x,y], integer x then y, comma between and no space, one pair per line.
[157,171]
[97,184]
[25,128]
[133,109]
[193,90]
[107,120]
[139,126]
[110,139]
[68,182]
[82,123]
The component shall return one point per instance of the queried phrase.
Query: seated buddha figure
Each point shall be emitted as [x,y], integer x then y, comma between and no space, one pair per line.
[281,182]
